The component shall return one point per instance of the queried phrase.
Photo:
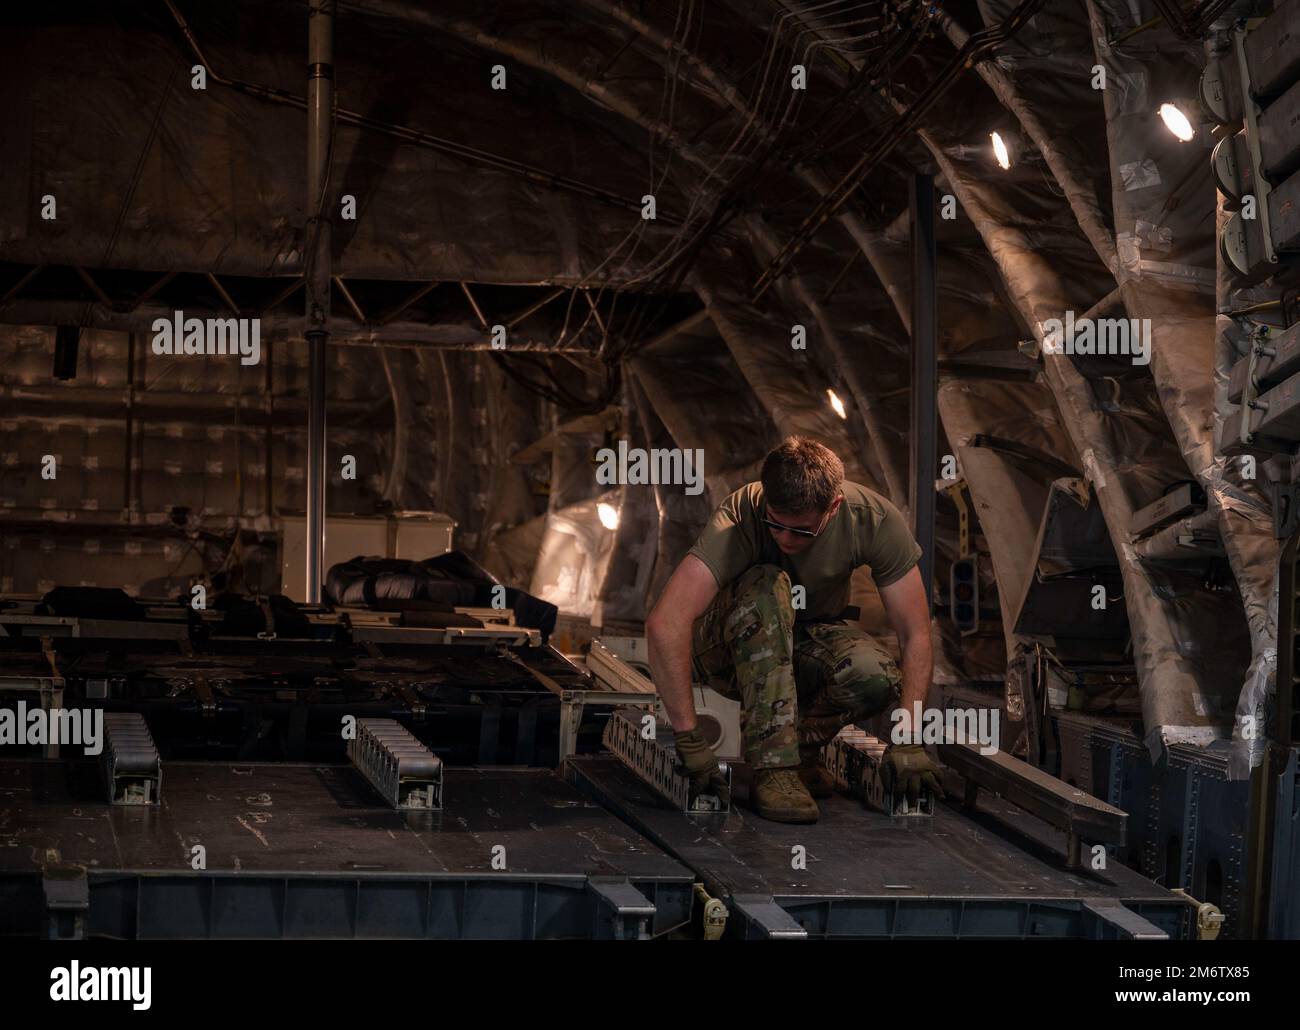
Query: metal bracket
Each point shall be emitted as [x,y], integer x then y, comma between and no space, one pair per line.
[67,901]
[1250,113]
[766,919]
[630,912]
[1250,389]
[571,710]
[1113,921]
[51,656]
[207,701]
[956,491]
[50,691]
[408,695]
[269,632]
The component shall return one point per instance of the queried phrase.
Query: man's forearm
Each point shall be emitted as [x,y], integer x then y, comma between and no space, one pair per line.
[918,671]
[670,666]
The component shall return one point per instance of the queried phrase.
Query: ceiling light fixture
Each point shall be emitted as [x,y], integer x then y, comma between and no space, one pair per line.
[608,515]
[1176,122]
[1000,150]
[836,403]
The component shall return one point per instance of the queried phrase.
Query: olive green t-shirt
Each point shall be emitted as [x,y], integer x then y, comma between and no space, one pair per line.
[867,530]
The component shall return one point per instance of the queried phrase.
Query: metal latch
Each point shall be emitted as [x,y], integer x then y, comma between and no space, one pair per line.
[1208,917]
[715,914]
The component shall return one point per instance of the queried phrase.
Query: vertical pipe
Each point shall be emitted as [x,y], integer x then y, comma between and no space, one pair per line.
[925,372]
[268,404]
[129,444]
[320,105]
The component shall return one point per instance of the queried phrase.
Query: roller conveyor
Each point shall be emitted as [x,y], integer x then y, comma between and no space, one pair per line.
[654,759]
[405,772]
[132,768]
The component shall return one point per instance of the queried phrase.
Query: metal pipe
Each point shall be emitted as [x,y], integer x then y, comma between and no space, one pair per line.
[344,329]
[925,371]
[395,486]
[150,406]
[351,300]
[268,405]
[478,312]
[128,447]
[320,104]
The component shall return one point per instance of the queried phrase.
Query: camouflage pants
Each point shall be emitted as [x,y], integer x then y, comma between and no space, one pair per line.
[798,684]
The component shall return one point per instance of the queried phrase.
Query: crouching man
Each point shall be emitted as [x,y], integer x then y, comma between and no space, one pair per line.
[800,671]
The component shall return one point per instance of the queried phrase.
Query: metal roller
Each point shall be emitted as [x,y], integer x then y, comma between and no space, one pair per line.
[405,772]
[132,768]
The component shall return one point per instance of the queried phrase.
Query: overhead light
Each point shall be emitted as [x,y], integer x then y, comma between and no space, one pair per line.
[836,403]
[1176,122]
[1000,150]
[608,515]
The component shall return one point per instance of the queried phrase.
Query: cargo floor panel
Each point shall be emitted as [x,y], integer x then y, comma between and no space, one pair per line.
[309,850]
[867,875]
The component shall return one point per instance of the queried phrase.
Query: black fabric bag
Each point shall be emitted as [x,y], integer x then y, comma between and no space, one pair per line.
[363,582]
[451,579]
[245,617]
[93,603]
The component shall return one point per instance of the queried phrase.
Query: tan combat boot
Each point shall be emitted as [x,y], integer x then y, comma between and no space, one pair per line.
[813,774]
[780,795]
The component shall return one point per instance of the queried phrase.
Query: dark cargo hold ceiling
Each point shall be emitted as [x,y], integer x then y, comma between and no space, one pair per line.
[523,206]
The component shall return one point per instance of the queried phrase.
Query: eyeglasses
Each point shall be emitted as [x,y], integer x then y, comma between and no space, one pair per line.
[780,528]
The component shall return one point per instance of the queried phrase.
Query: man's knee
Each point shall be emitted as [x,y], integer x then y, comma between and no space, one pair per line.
[762,581]
[760,605]
[863,677]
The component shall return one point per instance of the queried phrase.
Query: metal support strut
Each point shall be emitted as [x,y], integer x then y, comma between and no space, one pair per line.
[320,105]
[925,373]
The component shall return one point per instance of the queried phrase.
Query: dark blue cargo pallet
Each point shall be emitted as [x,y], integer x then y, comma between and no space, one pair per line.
[994,873]
[303,851]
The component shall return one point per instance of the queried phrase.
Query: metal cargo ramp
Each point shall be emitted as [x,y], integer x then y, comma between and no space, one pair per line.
[309,851]
[995,873]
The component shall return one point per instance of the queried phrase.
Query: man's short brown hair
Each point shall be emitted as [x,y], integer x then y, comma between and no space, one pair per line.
[801,475]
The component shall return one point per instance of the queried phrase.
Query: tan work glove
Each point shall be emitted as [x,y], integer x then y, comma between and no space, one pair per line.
[907,768]
[700,764]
